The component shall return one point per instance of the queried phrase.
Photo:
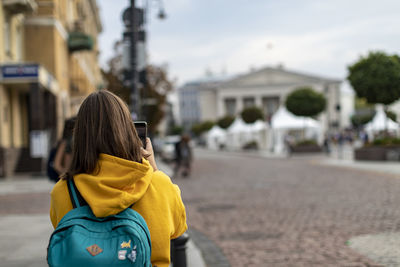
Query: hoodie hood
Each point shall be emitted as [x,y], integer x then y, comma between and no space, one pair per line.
[115,185]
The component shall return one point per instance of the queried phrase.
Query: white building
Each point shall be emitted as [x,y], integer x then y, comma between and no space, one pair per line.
[267,89]
[197,101]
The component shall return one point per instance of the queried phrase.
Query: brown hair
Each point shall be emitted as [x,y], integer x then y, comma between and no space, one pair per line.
[103,125]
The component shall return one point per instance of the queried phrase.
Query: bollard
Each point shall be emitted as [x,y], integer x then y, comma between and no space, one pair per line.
[178,250]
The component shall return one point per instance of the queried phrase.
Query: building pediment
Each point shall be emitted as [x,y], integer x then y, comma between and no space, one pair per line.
[276,77]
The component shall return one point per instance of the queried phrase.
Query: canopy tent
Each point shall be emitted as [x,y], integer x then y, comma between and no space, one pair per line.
[216,137]
[283,119]
[241,133]
[239,126]
[258,126]
[381,122]
[238,133]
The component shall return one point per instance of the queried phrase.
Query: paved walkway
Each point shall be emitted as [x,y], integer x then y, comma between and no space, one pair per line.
[297,211]
[194,255]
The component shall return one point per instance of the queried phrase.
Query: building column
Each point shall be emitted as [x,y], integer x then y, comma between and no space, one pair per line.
[258,102]
[220,106]
[239,105]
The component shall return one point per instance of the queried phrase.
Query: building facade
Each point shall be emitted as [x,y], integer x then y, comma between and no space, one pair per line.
[266,88]
[48,64]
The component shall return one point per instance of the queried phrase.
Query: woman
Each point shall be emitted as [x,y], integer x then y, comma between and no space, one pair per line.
[112,171]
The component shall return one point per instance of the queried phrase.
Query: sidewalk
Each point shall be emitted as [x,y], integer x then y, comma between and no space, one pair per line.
[345,159]
[194,255]
[24,237]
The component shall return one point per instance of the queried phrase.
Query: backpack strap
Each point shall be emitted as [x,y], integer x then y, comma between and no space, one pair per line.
[75,196]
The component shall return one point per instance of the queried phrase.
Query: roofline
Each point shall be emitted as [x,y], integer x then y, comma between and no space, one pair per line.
[324,79]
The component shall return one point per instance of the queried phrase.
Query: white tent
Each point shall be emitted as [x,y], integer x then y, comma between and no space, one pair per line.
[283,121]
[380,122]
[239,126]
[216,137]
[260,133]
[241,133]
[258,126]
[238,133]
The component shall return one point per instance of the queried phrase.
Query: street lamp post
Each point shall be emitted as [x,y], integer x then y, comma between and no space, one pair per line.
[134,96]
[134,36]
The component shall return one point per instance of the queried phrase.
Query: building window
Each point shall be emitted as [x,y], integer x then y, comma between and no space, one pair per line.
[230,106]
[270,105]
[249,102]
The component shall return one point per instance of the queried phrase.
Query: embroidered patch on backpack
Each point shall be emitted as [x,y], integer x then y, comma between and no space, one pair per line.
[126,244]
[122,254]
[94,250]
[132,255]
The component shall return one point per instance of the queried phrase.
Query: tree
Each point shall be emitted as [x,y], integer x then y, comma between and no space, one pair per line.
[305,102]
[202,127]
[391,115]
[359,120]
[252,114]
[153,95]
[376,78]
[115,85]
[225,122]
[177,130]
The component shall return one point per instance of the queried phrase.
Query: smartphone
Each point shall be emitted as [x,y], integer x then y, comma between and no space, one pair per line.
[141,129]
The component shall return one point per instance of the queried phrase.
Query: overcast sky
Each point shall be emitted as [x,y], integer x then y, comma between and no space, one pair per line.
[319,37]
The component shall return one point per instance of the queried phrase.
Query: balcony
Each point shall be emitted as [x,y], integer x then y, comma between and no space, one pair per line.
[20,6]
[78,41]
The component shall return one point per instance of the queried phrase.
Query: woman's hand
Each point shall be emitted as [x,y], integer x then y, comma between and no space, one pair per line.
[148,154]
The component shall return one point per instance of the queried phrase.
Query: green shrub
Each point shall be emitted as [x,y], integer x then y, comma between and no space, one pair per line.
[307,142]
[386,141]
[360,119]
[304,101]
[252,114]
[225,122]
[252,145]
[202,127]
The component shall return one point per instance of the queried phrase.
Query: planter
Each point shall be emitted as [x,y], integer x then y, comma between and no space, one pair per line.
[306,149]
[378,153]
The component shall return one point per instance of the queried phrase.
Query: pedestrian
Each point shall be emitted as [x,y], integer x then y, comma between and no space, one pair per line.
[60,156]
[112,172]
[183,156]
[288,141]
[326,145]
[63,157]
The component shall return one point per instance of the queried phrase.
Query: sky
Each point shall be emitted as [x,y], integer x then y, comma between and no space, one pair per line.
[231,37]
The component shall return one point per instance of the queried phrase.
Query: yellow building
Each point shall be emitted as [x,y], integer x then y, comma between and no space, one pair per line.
[49,64]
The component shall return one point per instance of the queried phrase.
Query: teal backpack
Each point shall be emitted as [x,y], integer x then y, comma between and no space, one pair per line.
[82,239]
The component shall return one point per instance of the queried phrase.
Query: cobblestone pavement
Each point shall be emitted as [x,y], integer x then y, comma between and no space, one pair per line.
[287,212]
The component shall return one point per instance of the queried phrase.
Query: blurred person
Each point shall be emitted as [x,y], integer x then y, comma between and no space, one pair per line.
[63,158]
[112,171]
[289,142]
[60,156]
[327,145]
[183,157]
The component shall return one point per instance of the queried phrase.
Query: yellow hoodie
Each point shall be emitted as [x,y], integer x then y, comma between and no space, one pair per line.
[117,185]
